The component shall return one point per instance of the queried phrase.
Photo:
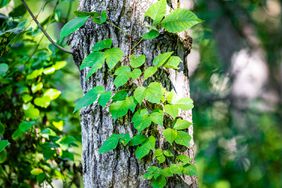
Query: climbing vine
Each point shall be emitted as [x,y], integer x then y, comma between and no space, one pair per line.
[152,110]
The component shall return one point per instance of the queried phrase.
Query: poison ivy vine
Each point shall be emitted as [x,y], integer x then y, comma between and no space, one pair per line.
[151,104]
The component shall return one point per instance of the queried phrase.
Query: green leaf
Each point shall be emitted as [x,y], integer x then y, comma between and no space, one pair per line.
[184,159]
[152,34]
[120,108]
[72,26]
[22,129]
[181,124]
[136,73]
[103,44]
[151,172]
[137,61]
[113,56]
[170,135]
[154,93]
[157,11]
[110,144]
[176,168]
[105,98]
[4,3]
[43,102]
[30,111]
[161,59]
[3,144]
[100,19]
[84,13]
[172,110]
[141,120]
[36,87]
[190,170]
[36,171]
[94,59]
[120,80]
[183,138]
[122,70]
[166,172]
[173,62]
[124,139]
[89,98]
[3,69]
[180,20]
[160,182]
[145,148]
[150,71]
[184,103]
[157,117]
[60,64]
[138,139]
[168,153]
[52,93]
[119,96]
[139,94]
[35,74]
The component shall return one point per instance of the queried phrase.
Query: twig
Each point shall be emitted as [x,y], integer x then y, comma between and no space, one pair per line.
[42,29]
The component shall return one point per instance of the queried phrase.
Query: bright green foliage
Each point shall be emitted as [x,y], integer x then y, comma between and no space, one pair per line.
[137,61]
[4,3]
[103,44]
[157,11]
[161,59]
[113,56]
[184,103]
[173,62]
[150,71]
[94,59]
[181,124]
[172,110]
[105,98]
[145,148]
[89,98]
[110,144]
[153,92]
[180,20]
[72,26]
[183,138]
[100,18]
[36,171]
[137,140]
[170,135]
[120,108]
[141,120]
[3,144]
[152,34]
[136,73]
[139,94]
[157,117]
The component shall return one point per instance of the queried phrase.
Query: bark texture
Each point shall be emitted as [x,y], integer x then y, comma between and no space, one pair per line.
[120,168]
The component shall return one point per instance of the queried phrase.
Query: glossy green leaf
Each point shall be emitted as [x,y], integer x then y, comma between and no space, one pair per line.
[119,96]
[184,159]
[150,71]
[122,70]
[36,171]
[183,138]
[141,120]
[173,62]
[110,144]
[124,139]
[72,26]
[121,80]
[137,61]
[172,110]
[52,93]
[152,172]
[145,148]
[35,74]
[113,56]
[168,153]
[120,108]
[43,102]
[152,34]
[30,111]
[153,92]
[170,135]
[101,18]
[22,129]
[176,168]
[136,73]
[157,11]
[105,98]
[139,94]
[89,98]
[3,69]
[94,59]
[138,139]
[180,20]
[161,58]
[3,144]
[36,87]
[160,182]
[157,117]
[103,44]
[185,103]
[181,124]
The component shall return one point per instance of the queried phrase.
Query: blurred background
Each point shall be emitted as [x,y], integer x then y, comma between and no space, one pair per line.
[235,79]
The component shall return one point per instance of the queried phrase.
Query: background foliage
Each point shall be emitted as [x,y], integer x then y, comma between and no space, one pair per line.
[228,155]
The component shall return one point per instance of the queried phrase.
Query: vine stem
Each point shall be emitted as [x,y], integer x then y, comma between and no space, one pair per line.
[42,29]
[136,44]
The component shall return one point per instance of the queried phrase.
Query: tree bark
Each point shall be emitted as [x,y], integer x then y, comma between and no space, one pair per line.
[120,168]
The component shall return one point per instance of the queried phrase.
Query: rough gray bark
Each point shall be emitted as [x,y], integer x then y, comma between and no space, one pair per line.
[120,168]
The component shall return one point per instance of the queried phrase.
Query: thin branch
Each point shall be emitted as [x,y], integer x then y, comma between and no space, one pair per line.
[42,29]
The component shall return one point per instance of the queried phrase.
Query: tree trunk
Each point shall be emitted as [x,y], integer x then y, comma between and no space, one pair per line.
[120,168]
